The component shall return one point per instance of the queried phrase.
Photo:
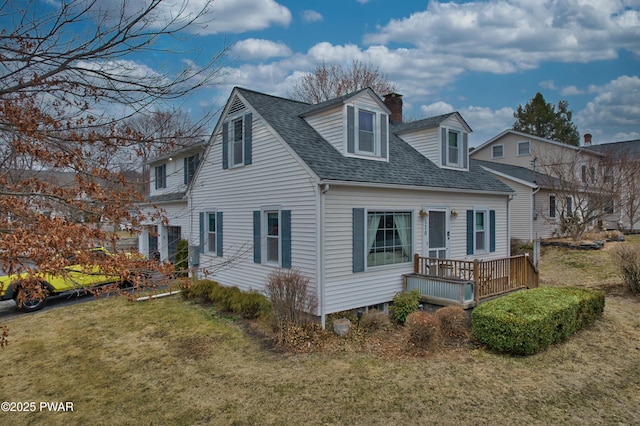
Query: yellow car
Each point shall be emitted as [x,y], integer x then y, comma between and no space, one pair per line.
[75,277]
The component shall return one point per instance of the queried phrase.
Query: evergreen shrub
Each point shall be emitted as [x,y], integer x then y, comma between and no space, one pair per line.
[529,321]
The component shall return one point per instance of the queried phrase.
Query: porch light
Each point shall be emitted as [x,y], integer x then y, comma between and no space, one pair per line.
[454,213]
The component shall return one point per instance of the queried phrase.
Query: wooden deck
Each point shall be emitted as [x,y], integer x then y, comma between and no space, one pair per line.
[467,283]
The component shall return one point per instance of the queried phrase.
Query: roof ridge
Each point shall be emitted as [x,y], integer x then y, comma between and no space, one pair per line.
[282,98]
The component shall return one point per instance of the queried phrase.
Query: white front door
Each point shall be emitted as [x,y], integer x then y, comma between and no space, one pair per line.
[436,232]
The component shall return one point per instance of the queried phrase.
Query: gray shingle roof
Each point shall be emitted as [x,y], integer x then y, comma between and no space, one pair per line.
[631,147]
[521,173]
[406,166]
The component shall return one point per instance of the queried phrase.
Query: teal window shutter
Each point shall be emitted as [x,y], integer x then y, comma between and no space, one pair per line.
[384,118]
[248,153]
[351,130]
[358,240]
[469,231]
[444,146]
[256,237]
[225,145]
[492,230]
[465,150]
[285,221]
[201,226]
[219,234]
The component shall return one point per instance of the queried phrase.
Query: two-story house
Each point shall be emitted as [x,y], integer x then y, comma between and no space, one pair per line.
[549,179]
[623,157]
[342,191]
[166,212]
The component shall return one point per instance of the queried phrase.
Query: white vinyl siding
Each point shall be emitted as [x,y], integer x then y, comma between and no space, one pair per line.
[329,124]
[426,142]
[346,289]
[276,177]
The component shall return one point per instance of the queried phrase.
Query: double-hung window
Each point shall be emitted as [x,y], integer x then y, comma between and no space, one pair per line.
[524,148]
[272,246]
[497,151]
[272,237]
[367,132]
[552,206]
[210,224]
[237,142]
[212,242]
[481,231]
[454,148]
[161,176]
[211,233]
[190,166]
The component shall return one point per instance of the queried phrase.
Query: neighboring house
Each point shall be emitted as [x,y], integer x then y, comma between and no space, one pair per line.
[169,178]
[340,192]
[533,212]
[536,168]
[624,157]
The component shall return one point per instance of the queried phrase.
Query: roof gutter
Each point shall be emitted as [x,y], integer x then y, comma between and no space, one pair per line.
[409,187]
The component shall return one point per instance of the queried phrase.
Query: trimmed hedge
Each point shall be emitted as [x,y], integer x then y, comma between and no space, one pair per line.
[526,322]
[230,299]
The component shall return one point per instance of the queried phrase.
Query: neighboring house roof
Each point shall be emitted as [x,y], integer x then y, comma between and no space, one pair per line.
[165,198]
[193,147]
[523,174]
[533,137]
[630,147]
[406,166]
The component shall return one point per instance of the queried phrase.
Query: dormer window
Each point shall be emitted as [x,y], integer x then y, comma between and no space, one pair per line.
[454,148]
[453,144]
[367,133]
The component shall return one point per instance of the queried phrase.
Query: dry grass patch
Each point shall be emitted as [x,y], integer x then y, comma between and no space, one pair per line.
[173,362]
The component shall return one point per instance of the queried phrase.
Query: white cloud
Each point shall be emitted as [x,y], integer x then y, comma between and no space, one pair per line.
[311,16]
[437,108]
[237,16]
[509,35]
[259,49]
[486,122]
[615,107]
[222,16]
[548,84]
[571,91]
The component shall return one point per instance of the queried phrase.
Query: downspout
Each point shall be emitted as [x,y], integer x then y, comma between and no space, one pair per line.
[321,257]
[534,213]
[509,199]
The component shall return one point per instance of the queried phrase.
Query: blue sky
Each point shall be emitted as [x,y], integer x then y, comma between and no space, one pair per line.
[481,58]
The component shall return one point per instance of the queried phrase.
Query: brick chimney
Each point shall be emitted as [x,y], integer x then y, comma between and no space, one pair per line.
[587,138]
[393,101]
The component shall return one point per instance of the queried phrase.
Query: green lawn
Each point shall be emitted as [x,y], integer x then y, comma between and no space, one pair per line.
[169,361]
